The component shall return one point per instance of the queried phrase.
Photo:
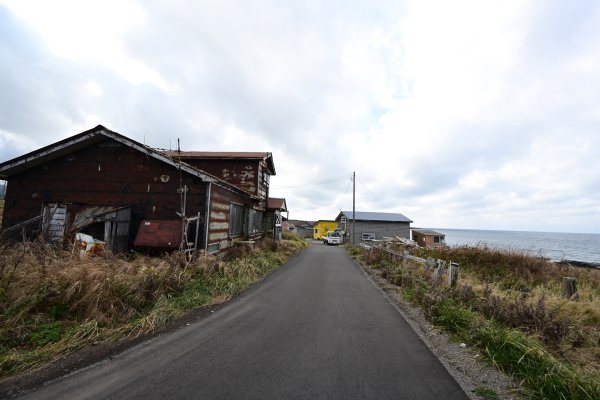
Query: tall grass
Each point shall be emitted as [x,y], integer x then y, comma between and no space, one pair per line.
[53,302]
[510,305]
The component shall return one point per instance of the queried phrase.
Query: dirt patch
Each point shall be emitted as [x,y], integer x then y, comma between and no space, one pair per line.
[465,364]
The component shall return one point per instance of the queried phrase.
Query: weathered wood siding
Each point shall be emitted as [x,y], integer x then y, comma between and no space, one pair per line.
[220,209]
[251,176]
[106,173]
[240,173]
[379,228]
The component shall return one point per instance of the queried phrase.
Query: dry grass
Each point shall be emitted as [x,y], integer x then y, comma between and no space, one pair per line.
[512,295]
[1,211]
[53,302]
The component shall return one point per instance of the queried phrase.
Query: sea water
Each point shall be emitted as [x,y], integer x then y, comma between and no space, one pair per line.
[583,247]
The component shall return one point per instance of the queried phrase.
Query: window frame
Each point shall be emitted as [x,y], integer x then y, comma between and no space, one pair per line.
[236,219]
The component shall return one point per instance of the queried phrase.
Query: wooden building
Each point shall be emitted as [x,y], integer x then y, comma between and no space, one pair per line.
[274,221]
[113,188]
[373,225]
[428,238]
[321,227]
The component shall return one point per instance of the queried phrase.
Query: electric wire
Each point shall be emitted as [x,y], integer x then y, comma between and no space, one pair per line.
[371,193]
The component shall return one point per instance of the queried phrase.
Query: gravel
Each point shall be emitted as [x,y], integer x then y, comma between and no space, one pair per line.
[463,362]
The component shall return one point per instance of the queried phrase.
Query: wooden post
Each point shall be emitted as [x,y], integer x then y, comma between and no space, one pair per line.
[437,274]
[570,288]
[430,263]
[452,274]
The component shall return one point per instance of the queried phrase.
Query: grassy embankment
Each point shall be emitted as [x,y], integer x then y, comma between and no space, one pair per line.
[510,306]
[52,302]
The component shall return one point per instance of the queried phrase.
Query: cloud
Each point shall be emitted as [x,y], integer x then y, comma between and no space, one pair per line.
[458,114]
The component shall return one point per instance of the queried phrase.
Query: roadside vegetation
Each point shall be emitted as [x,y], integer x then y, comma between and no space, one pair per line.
[52,302]
[511,307]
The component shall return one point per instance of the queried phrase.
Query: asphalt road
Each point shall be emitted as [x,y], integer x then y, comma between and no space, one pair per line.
[317,328]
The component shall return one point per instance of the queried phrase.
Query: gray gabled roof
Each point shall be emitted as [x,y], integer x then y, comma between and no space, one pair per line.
[374,216]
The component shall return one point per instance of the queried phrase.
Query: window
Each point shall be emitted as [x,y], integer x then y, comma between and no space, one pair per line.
[255,221]
[236,220]
[368,236]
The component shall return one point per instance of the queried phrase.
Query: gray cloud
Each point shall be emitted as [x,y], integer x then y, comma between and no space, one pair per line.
[486,132]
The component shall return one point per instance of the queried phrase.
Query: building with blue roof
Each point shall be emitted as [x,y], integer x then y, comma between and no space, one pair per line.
[373,225]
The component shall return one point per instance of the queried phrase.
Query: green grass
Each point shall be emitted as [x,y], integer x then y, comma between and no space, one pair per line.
[71,303]
[526,334]
[486,393]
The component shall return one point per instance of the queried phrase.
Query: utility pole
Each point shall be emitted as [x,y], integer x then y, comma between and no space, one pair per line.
[353,206]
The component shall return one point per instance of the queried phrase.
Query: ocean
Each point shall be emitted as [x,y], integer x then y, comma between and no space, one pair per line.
[583,247]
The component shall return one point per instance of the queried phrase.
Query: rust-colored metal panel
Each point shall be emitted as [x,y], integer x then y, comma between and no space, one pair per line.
[240,173]
[159,234]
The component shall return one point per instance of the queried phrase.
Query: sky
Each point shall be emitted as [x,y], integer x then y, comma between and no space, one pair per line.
[462,114]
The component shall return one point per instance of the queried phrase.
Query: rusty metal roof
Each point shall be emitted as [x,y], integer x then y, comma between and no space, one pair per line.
[159,234]
[225,155]
[428,232]
[218,154]
[97,135]
[275,203]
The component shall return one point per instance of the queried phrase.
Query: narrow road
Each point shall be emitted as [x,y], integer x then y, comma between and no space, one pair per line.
[317,328]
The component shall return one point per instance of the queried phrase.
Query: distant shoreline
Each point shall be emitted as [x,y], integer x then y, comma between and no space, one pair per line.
[575,263]
[576,249]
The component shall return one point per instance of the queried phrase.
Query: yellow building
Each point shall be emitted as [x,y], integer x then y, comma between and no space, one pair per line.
[321,227]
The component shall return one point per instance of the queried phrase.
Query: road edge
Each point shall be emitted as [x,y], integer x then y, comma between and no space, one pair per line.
[466,365]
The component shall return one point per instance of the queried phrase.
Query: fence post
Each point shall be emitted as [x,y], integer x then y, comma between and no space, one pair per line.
[570,288]
[452,274]
[430,263]
[437,274]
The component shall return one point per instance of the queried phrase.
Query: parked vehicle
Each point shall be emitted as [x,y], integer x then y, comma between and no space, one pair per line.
[333,238]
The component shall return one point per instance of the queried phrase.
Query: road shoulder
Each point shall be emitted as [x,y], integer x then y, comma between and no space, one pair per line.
[465,364]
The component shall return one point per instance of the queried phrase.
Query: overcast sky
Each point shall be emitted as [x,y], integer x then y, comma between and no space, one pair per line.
[458,114]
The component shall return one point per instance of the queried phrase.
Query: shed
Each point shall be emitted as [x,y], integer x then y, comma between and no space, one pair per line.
[274,218]
[374,225]
[322,226]
[429,238]
[104,184]
[301,228]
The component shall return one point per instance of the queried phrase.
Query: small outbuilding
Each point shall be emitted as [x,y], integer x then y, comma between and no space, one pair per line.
[321,227]
[274,218]
[428,238]
[374,225]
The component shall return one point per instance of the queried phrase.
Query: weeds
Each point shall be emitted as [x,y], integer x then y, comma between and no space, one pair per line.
[510,306]
[486,393]
[56,302]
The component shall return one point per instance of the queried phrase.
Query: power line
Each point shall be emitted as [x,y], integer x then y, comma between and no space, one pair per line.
[371,193]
